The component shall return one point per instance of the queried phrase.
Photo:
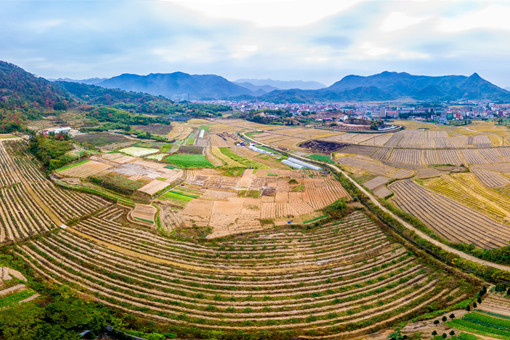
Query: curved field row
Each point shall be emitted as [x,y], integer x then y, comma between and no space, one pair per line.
[452,220]
[31,204]
[327,280]
[491,179]
[466,189]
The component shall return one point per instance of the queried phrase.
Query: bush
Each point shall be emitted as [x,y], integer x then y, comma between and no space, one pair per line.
[500,287]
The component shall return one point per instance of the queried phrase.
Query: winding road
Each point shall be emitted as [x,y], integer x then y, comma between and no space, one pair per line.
[409,226]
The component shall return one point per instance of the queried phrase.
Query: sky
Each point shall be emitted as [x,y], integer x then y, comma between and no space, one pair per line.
[320,40]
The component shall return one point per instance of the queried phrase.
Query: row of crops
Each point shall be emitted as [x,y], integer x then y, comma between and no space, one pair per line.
[347,277]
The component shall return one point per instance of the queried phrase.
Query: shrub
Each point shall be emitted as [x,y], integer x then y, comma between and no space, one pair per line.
[444,318]
[452,316]
[434,333]
[501,287]
[452,333]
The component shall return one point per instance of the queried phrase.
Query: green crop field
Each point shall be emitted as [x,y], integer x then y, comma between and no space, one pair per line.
[16,298]
[322,158]
[483,324]
[174,195]
[69,166]
[189,161]
[244,161]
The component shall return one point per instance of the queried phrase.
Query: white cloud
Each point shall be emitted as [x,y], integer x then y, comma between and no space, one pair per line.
[268,13]
[397,21]
[493,17]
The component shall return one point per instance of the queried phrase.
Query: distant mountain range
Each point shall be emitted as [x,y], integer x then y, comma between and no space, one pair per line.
[385,86]
[17,84]
[281,84]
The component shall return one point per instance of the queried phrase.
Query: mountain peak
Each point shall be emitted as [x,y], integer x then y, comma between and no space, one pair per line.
[475,76]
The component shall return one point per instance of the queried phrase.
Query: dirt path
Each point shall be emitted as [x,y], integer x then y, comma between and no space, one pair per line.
[404,223]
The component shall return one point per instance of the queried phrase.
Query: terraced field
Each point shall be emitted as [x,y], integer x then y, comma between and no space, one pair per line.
[468,190]
[345,278]
[452,220]
[29,203]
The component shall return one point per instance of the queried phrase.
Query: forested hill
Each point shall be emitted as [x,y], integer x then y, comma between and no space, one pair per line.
[23,91]
[394,86]
[126,100]
[178,85]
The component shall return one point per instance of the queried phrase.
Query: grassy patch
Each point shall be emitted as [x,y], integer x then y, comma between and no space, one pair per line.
[189,161]
[315,219]
[204,127]
[143,219]
[322,158]
[177,196]
[233,172]
[69,166]
[117,183]
[244,161]
[253,193]
[298,188]
[482,324]
[16,298]
[167,147]
[101,138]
[161,178]
[272,174]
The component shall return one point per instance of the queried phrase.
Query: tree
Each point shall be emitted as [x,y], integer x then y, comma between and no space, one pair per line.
[21,322]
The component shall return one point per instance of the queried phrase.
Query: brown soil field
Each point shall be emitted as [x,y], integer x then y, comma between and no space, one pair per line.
[154,186]
[226,206]
[157,129]
[86,169]
[375,182]
[143,212]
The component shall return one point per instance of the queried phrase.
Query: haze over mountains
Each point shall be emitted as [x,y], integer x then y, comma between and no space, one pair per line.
[379,87]
[385,86]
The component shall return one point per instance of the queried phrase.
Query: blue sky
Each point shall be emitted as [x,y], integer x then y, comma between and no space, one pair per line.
[320,40]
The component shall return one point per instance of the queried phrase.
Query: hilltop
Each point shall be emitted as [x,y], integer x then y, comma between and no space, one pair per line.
[394,86]
[177,85]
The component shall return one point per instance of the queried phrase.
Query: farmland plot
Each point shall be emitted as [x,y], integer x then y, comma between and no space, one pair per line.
[406,156]
[491,179]
[449,157]
[450,219]
[466,189]
[472,156]
[491,155]
[29,203]
[372,167]
[251,283]
[138,152]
